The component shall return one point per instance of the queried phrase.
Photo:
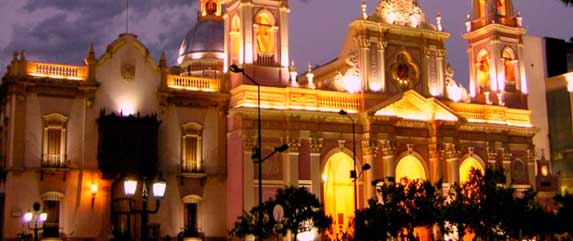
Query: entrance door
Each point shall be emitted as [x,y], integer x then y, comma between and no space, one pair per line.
[338,191]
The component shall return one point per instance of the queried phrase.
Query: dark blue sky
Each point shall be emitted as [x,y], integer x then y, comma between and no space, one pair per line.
[61,30]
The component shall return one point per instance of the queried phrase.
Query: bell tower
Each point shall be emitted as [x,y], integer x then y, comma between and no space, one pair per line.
[256,39]
[495,51]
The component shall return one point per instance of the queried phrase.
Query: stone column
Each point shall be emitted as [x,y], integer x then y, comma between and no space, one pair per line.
[388,165]
[315,172]
[290,162]
[440,63]
[362,43]
[435,167]
[369,156]
[381,66]
[283,34]
[453,167]
[249,142]
[506,155]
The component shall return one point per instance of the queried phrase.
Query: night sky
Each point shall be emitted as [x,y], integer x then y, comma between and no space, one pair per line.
[60,30]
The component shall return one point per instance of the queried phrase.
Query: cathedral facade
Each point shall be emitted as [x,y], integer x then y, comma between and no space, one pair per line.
[71,134]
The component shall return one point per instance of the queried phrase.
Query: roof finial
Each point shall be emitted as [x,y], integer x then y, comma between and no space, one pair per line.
[363,7]
[91,52]
[126,16]
[162,60]
[310,77]
[439,22]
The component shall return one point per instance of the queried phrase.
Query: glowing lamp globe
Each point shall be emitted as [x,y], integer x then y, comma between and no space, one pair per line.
[159,186]
[43,217]
[28,217]
[129,186]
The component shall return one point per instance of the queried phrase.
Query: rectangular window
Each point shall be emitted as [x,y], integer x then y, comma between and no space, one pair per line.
[53,146]
[54,141]
[190,163]
[52,223]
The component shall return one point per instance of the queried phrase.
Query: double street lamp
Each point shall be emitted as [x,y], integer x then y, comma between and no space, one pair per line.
[158,190]
[37,217]
[353,173]
[257,154]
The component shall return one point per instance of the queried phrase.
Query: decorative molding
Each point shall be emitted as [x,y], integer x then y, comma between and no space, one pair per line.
[315,145]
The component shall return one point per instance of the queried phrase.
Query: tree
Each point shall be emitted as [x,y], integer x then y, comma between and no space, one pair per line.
[567,2]
[301,211]
[404,205]
[565,213]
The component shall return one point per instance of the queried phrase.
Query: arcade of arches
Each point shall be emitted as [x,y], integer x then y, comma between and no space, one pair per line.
[338,189]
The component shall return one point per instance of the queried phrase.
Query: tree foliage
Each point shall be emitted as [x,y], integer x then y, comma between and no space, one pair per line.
[301,211]
[484,205]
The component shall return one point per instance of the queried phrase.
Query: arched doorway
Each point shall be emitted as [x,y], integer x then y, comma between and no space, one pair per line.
[338,191]
[467,165]
[411,168]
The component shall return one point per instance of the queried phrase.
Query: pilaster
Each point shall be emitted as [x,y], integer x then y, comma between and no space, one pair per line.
[389,167]
[290,161]
[316,175]
[452,163]
[249,143]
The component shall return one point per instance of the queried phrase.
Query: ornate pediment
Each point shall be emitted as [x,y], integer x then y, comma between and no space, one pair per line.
[412,106]
[401,12]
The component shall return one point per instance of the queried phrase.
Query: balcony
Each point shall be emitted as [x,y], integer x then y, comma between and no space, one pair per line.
[56,71]
[193,83]
[295,99]
[196,170]
[54,161]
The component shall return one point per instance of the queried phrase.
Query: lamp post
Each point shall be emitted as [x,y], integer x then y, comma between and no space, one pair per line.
[158,190]
[258,156]
[365,167]
[37,217]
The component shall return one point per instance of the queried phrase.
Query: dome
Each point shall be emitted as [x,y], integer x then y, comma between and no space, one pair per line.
[206,36]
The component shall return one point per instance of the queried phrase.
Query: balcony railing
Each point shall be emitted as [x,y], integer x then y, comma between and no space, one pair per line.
[54,161]
[191,168]
[296,99]
[193,83]
[59,71]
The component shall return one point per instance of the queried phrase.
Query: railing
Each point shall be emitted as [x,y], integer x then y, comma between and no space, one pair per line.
[191,168]
[59,71]
[193,83]
[54,161]
[295,98]
[480,22]
[493,114]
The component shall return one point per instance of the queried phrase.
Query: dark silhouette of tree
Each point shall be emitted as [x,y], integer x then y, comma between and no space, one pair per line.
[565,213]
[404,205]
[301,212]
[567,3]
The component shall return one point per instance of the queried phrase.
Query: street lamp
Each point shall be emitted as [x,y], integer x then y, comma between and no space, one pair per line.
[257,155]
[37,217]
[365,167]
[158,190]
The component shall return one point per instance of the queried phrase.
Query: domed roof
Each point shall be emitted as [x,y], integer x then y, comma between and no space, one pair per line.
[206,36]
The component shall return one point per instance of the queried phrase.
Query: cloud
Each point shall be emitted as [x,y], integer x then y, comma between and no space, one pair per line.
[60,31]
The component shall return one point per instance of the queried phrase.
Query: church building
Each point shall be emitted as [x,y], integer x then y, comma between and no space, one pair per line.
[71,134]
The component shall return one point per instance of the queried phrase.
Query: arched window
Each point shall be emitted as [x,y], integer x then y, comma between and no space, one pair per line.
[235,40]
[500,6]
[509,66]
[483,70]
[411,168]
[467,165]
[265,34]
